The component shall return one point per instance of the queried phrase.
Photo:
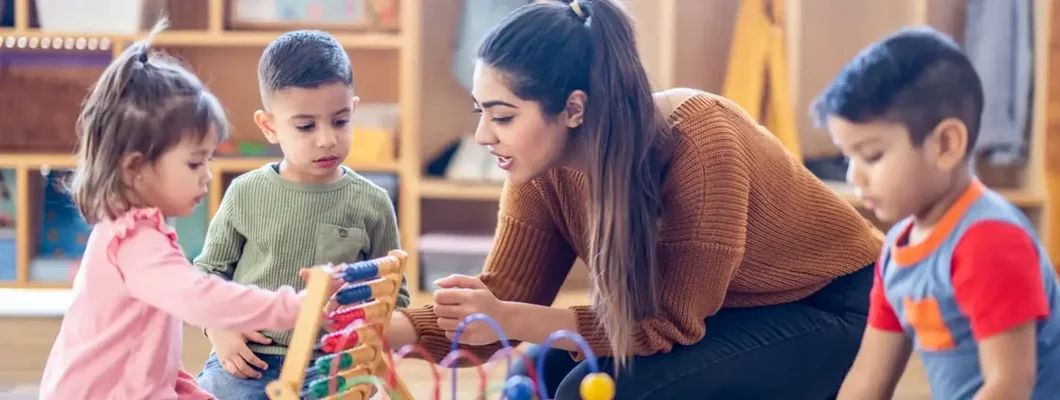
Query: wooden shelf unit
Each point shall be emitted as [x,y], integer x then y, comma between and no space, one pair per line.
[412,68]
[445,189]
[386,69]
[380,41]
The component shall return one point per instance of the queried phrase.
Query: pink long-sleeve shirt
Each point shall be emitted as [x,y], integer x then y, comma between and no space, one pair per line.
[121,338]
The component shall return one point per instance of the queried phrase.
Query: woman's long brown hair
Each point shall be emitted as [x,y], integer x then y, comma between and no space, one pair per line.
[547,50]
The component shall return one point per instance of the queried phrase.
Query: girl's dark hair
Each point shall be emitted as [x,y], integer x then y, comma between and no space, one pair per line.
[143,102]
[546,51]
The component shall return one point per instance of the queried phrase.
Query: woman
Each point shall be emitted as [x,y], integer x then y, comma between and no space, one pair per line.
[719,264]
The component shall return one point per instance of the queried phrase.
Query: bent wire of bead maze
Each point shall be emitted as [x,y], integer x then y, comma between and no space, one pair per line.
[596,385]
[356,346]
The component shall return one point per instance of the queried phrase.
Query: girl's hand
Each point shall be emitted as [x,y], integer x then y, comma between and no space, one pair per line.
[336,284]
[461,296]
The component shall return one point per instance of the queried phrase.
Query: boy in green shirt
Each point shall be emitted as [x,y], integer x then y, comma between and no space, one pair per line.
[306,210]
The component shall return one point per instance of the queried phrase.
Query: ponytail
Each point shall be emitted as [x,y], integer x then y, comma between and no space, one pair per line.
[625,176]
[116,77]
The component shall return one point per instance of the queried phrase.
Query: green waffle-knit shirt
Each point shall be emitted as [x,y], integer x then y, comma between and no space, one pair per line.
[267,228]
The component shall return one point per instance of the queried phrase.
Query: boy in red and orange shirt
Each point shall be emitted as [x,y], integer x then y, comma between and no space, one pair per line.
[962,278]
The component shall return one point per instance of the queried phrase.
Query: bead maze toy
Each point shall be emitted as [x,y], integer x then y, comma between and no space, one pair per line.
[358,358]
[596,385]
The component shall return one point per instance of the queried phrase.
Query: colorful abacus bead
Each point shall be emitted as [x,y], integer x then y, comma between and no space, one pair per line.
[344,317]
[323,364]
[322,387]
[519,387]
[335,341]
[360,271]
[597,386]
[353,294]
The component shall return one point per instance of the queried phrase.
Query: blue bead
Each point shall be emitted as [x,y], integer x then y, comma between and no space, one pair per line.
[353,294]
[360,271]
[519,387]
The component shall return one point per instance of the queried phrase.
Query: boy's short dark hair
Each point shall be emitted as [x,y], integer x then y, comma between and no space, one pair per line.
[915,77]
[303,59]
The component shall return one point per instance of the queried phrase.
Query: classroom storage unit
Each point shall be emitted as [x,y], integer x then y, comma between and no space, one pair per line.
[52,62]
[407,63]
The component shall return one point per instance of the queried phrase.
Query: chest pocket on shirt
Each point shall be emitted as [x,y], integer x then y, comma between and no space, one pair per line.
[925,316]
[339,244]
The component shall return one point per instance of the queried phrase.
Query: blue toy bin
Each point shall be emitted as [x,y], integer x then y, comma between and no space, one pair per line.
[8,258]
[62,232]
[8,269]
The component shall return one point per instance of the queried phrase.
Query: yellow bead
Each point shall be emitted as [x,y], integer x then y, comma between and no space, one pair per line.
[597,386]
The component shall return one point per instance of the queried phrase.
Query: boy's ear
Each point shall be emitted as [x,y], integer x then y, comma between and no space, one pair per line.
[949,143]
[264,122]
[131,165]
[575,109]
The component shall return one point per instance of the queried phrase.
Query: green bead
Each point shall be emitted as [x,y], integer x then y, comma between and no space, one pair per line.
[321,390]
[323,364]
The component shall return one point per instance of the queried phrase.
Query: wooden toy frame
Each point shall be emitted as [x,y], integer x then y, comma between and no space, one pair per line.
[369,355]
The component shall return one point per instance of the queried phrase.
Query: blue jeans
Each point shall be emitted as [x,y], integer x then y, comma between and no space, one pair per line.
[214,379]
[799,351]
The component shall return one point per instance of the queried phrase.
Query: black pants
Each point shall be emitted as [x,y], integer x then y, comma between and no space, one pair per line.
[792,351]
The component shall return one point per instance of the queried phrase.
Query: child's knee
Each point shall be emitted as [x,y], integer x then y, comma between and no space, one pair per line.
[223,385]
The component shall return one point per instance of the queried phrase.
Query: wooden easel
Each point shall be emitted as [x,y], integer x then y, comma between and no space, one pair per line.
[757,77]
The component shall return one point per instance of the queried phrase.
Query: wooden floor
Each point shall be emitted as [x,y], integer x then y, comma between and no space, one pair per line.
[25,342]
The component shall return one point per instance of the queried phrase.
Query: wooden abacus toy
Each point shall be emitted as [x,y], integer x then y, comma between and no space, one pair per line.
[356,349]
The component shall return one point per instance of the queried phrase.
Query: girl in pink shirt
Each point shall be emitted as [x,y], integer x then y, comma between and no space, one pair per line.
[147,131]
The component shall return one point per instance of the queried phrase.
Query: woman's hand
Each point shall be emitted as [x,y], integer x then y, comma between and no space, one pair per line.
[461,296]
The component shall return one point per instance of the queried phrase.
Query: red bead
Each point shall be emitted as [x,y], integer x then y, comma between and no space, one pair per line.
[342,318]
[338,341]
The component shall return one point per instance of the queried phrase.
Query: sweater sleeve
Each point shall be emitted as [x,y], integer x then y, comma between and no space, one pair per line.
[156,272]
[528,263]
[383,235]
[223,246]
[707,215]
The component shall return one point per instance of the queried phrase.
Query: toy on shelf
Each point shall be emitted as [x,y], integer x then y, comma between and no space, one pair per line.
[233,148]
[359,359]
[356,345]
[374,131]
[331,15]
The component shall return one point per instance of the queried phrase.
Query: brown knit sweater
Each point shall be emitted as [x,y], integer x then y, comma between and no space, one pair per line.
[745,224]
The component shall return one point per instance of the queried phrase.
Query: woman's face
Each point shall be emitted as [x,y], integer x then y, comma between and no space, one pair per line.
[524,140]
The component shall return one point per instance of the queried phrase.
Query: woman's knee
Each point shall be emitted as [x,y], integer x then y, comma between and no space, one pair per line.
[523,363]
[557,365]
